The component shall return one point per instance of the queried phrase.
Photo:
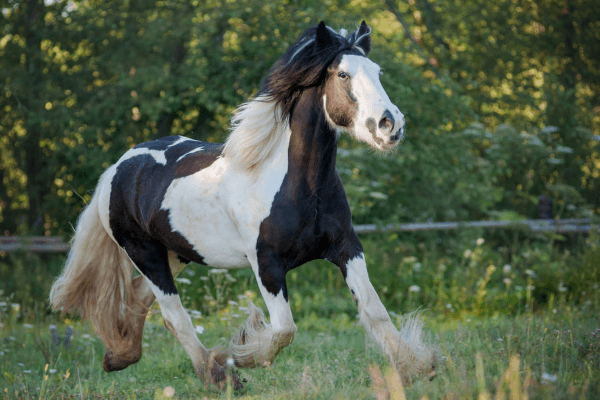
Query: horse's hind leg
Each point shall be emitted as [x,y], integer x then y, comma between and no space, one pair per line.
[129,349]
[153,262]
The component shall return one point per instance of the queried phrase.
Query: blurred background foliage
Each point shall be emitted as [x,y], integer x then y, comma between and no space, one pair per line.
[501,99]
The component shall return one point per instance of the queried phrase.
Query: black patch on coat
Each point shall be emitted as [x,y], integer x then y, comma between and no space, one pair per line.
[310,217]
[137,192]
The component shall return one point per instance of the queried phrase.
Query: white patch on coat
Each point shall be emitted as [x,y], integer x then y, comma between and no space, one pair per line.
[103,190]
[372,100]
[178,141]
[190,152]
[219,209]
[158,155]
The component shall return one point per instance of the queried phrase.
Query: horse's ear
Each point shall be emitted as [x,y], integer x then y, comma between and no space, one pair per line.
[363,38]
[323,39]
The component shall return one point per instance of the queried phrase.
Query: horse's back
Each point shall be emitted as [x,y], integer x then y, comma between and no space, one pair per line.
[136,189]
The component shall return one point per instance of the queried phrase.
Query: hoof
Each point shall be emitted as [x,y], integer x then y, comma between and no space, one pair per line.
[218,377]
[116,362]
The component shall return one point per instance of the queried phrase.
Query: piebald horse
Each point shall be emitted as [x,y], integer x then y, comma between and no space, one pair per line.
[269,198]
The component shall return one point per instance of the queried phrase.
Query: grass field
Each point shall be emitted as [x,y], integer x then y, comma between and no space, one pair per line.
[541,356]
[518,322]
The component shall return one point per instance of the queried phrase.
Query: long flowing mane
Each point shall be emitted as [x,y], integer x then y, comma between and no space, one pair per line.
[258,126]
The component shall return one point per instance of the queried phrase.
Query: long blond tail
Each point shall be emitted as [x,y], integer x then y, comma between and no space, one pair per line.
[96,280]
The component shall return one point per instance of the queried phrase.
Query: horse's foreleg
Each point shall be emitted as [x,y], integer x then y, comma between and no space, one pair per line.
[406,350]
[257,343]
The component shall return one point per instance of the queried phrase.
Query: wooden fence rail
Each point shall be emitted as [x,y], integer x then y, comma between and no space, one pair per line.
[41,244]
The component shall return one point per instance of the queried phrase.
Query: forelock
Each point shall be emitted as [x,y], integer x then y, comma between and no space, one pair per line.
[303,65]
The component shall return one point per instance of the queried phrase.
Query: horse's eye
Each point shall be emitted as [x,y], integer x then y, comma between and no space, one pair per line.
[343,75]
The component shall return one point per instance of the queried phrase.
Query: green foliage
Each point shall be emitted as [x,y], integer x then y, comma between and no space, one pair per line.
[26,278]
[85,81]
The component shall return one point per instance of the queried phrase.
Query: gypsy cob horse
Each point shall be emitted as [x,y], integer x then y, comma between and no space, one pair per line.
[269,198]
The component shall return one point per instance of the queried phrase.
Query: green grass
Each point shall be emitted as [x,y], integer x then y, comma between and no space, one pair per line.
[511,322]
[555,355]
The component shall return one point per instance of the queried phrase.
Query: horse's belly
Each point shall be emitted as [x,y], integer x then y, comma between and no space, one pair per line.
[220,248]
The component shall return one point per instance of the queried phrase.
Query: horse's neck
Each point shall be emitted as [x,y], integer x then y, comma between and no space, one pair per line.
[313,144]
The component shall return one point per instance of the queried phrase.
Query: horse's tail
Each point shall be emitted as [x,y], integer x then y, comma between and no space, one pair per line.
[96,280]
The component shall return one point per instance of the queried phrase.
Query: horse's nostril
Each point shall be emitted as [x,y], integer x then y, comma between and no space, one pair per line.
[371,125]
[387,121]
[394,138]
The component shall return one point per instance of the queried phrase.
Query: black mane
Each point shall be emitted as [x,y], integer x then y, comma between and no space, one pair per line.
[305,63]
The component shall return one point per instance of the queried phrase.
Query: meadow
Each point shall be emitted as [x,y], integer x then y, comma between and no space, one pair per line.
[528,329]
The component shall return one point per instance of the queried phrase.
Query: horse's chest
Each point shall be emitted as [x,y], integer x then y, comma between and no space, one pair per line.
[219,211]
[300,226]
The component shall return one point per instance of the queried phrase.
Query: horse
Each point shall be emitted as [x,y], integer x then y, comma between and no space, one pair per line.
[268,198]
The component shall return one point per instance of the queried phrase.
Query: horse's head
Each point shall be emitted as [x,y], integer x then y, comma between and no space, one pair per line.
[353,98]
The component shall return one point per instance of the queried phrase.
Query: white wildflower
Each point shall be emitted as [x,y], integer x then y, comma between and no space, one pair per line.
[184,280]
[199,329]
[414,288]
[507,268]
[546,377]
[217,271]
[480,241]
[169,391]
[561,287]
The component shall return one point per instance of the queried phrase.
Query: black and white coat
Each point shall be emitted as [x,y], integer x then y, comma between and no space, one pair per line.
[269,198]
